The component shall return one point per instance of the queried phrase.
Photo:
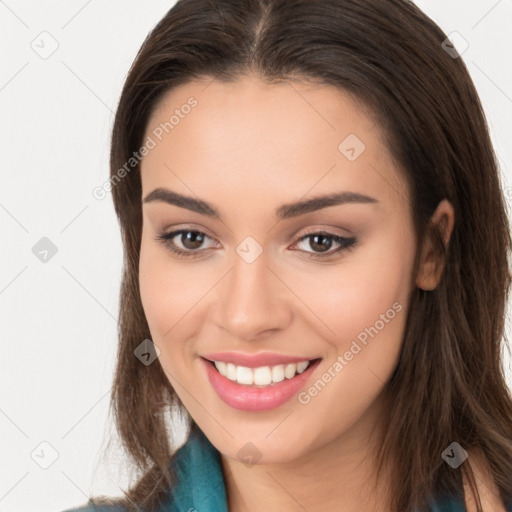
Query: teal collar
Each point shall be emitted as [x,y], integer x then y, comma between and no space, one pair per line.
[201,486]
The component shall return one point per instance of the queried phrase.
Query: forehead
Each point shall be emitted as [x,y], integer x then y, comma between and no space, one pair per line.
[266,140]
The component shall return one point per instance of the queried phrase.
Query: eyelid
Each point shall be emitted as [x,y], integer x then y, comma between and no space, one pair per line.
[345,243]
[320,228]
[187,227]
[166,236]
[323,228]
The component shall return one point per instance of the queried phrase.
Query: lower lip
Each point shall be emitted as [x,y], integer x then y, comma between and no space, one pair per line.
[248,398]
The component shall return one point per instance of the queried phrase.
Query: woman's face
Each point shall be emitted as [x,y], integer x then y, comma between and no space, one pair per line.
[262,277]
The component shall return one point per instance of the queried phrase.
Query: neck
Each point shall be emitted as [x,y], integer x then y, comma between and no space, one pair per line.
[340,475]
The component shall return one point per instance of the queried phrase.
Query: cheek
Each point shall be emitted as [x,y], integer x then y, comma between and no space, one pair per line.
[166,291]
[351,297]
[154,293]
[163,294]
[367,310]
[375,299]
[160,296]
[173,297]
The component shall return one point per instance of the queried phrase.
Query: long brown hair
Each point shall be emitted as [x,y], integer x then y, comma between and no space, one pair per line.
[449,384]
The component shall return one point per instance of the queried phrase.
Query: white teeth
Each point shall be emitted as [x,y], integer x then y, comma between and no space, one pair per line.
[278,373]
[290,370]
[262,376]
[221,366]
[230,371]
[244,375]
[302,366]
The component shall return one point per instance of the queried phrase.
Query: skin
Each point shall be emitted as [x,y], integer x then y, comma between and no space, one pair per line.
[248,148]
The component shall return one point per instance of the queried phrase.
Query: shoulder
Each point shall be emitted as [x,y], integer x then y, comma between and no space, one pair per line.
[487,489]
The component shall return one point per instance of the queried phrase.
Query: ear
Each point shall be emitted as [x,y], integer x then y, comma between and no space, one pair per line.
[432,261]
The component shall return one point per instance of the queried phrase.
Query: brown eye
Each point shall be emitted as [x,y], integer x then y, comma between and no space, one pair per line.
[321,243]
[190,240]
[187,243]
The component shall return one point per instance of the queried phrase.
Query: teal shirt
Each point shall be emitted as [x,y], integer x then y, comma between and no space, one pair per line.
[201,485]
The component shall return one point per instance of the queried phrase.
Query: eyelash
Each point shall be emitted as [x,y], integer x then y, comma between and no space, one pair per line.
[347,244]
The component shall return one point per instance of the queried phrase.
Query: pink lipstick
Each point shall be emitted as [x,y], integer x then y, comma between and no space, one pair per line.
[283,377]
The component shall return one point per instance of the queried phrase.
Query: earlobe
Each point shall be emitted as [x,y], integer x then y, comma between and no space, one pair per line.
[432,261]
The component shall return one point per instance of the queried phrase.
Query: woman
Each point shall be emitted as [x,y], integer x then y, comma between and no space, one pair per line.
[315,264]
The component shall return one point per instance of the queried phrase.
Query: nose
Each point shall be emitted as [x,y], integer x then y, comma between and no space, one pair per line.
[252,301]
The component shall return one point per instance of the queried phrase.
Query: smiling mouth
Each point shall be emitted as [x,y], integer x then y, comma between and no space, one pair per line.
[263,376]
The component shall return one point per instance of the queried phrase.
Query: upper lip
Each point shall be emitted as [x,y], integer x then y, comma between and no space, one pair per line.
[255,360]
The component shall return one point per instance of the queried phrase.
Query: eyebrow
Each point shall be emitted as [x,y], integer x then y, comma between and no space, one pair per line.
[286,211]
